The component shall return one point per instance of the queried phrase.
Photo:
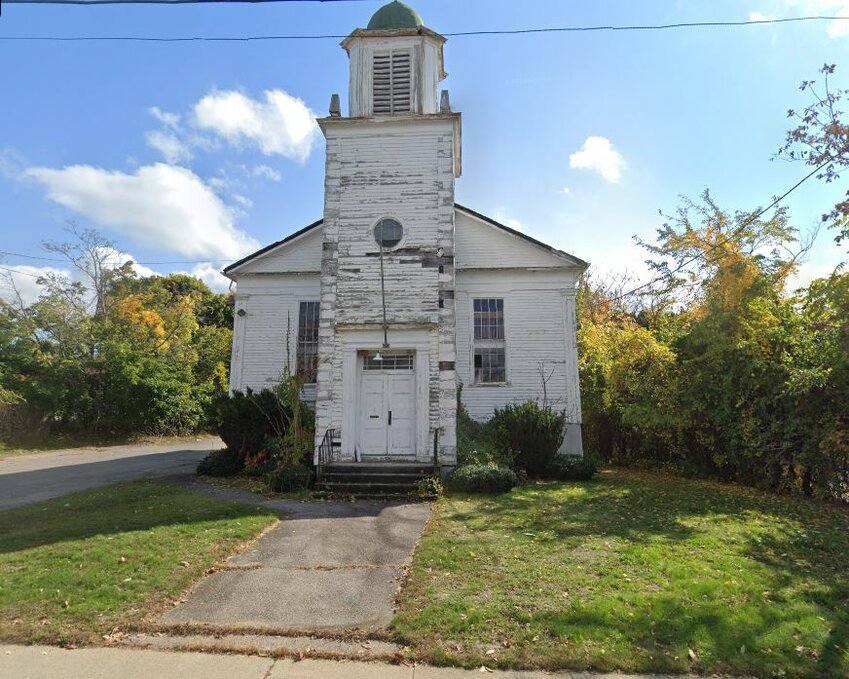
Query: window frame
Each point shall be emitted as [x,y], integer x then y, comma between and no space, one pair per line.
[488,343]
[309,375]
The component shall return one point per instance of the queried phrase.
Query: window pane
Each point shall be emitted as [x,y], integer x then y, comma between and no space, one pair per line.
[489,319]
[490,365]
[307,353]
[388,233]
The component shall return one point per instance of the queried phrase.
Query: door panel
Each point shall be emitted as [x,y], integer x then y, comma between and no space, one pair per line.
[387,420]
[372,414]
[402,397]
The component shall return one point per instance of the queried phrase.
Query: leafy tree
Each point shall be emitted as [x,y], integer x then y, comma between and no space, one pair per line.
[820,139]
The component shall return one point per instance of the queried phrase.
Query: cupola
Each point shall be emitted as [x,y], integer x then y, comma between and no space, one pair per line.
[396,65]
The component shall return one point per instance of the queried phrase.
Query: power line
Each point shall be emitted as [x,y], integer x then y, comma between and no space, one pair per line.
[518,31]
[158,2]
[65,261]
[728,239]
[22,273]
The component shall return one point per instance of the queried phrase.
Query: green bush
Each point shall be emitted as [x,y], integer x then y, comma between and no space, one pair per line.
[245,421]
[428,488]
[483,478]
[220,463]
[530,435]
[287,478]
[475,440]
[572,468]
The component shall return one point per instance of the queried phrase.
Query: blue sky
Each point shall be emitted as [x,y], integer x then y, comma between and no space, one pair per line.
[198,152]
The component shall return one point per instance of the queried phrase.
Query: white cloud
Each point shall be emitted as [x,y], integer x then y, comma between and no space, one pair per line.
[565,191]
[500,215]
[808,272]
[280,125]
[836,8]
[211,276]
[12,163]
[164,117]
[22,281]
[166,207]
[169,145]
[760,16]
[597,154]
[267,172]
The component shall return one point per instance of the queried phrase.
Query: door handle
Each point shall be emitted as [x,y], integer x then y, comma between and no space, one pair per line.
[390,417]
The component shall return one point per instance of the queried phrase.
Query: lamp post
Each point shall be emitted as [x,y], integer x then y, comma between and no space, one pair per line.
[378,357]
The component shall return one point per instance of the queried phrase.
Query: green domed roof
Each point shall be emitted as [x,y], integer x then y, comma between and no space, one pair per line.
[394,16]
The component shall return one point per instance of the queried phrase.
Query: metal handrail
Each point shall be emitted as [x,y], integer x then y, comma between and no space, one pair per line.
[325,452]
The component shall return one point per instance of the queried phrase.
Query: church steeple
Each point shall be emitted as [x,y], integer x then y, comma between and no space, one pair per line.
[396,65]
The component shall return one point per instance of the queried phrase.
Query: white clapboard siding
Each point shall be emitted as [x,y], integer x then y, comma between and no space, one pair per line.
[483,246]
[271,304]
[539,334]
[301,254]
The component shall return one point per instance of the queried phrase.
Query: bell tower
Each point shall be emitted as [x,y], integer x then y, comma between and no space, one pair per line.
[396,65]
[387,271]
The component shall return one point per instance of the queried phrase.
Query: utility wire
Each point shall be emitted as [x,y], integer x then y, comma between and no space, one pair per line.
[159,2]
[22,273]
[518,31]
[728,239]
[56,259]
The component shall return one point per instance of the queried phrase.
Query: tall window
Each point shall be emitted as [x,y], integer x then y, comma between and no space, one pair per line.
[391,82]
[308,341]
[490,350]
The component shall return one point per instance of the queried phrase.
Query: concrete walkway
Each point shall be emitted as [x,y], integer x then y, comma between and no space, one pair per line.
[31,478]
[45,662]
[328,566]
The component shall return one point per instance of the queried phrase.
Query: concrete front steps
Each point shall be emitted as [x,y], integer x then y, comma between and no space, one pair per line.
[378,480]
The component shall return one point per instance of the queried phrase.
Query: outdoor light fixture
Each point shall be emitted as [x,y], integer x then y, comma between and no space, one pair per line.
[378,357]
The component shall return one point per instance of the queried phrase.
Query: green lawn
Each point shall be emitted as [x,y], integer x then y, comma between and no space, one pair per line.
[634,572]
[74,568]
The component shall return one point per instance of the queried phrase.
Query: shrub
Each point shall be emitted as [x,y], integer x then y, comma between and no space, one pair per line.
[428,488]
[530,434]
[245,421]
[259,464]
[287,478]
[220,463]
[475,440]
[483,478]
[572,468]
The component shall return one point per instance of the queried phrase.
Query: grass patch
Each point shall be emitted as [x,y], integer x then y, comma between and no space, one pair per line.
[75,568]
[636,572]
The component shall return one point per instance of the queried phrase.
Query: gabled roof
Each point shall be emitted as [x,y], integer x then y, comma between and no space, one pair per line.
[575,261]
[276,244]
[571,259]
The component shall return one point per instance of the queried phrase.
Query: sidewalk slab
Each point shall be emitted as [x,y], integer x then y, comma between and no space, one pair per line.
[327,566]
[47,662]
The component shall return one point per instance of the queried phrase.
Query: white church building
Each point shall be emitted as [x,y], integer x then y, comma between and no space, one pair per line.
[399,295]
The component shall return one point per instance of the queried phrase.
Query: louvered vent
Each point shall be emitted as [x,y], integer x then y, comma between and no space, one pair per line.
[391,80]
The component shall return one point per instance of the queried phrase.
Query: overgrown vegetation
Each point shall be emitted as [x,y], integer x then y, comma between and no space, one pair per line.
[109,354]
[637,572]
[721,372]
[75,568]
[519,441]
[268,434]
[529,434]
[486,477]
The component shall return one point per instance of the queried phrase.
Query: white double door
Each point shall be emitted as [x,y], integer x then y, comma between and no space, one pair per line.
[387,413]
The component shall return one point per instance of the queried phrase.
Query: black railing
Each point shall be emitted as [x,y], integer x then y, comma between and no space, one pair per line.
[325,452]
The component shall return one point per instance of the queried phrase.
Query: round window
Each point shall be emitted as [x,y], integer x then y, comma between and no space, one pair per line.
[388,233]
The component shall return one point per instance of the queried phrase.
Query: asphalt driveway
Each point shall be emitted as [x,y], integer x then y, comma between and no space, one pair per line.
[31,478]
